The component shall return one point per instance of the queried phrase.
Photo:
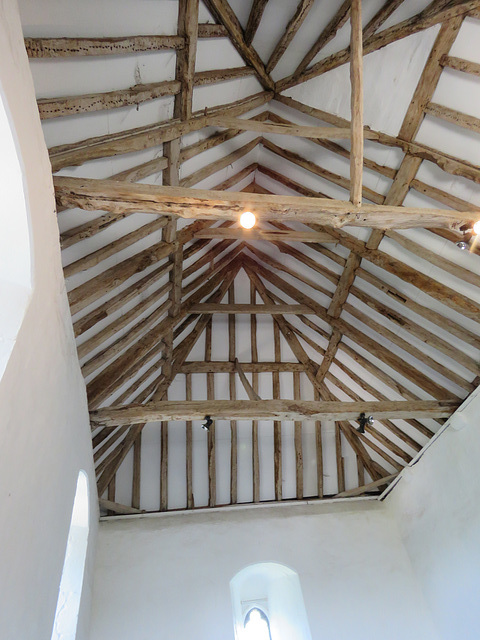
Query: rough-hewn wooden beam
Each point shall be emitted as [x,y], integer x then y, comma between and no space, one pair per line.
[423,20]
[450,164]
[323,133]
[224,14]
[217,165]
[209,30]
[118,508]
[248,367]
[256,13]
[269,235]
[145,137]
[108,280]
[336,23]
[232,389]
[214,76]
[380,17]
[185,63]
[249,309]
[291,29]
[461,65]
[108,195]
[68,47]
[356,102]
[314,168]
[251,393]
[453,116]
[371,486]
[269,410]
[72,105]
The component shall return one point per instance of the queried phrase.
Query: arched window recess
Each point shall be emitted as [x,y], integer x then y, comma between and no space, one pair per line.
[257,625]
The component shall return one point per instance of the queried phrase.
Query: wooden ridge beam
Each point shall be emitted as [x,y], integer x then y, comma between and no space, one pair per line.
[268,410]
[107,195]
[76,153]
[421,21]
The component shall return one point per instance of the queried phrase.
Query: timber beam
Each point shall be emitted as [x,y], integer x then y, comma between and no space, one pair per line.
[108,195]
[268,410]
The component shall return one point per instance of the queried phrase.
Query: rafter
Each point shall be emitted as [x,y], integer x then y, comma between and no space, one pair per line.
[449,164]
[77,153]
[423,20]
[291,29]
[224,14]
[339,19]
[256,13]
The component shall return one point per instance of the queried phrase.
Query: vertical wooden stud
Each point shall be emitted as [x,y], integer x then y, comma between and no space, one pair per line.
[298,439]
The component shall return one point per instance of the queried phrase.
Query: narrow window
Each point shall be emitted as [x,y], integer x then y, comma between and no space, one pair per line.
[15,258]
[257,626]
[70,591]
[267,604]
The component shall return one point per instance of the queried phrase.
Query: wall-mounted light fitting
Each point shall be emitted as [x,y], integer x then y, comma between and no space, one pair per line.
[364,420]
[208,423]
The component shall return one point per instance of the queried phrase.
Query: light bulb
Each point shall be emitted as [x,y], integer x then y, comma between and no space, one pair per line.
[247,220]
[476,228]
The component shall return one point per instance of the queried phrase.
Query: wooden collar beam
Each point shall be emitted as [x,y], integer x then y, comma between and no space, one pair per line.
[271,235]
[269,309]
[108,195]
[268,410]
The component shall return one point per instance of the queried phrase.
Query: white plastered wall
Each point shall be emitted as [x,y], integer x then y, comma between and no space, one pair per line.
[437,508]
[44,430]
[168,576]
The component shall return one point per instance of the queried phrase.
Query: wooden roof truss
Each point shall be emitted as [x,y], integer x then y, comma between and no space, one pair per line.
[359,343]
